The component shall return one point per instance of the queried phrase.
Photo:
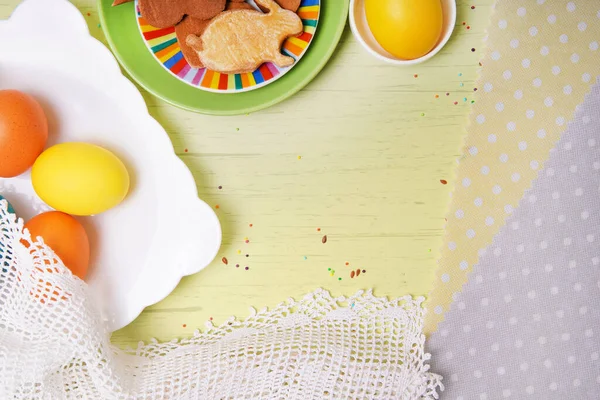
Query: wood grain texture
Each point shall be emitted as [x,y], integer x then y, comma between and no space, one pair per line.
[359,153]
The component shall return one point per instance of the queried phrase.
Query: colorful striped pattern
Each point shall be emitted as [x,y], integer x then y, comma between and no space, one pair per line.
[165,48]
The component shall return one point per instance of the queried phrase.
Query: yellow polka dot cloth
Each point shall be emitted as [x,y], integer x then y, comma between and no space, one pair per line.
[541,58]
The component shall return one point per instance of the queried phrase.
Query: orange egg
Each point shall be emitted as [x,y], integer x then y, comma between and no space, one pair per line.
[65,236]
[23,132]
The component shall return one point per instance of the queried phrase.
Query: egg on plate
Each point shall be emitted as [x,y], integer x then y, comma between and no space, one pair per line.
[65,236]
[23,132]
[80,178]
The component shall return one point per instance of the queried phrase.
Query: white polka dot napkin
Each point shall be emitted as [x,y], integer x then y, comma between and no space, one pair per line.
[527,324]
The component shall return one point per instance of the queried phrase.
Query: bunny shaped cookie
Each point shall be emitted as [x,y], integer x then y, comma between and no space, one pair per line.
[240,41]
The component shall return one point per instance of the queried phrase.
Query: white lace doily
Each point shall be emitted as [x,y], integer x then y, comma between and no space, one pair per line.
[54,346]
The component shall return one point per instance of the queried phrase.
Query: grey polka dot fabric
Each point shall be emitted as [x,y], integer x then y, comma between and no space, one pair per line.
[527,324]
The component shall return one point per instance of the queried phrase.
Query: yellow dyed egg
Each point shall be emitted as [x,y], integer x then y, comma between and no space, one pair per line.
[80,178]
[407,29]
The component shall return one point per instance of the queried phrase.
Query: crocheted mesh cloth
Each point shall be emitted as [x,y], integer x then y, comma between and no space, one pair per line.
[53,344]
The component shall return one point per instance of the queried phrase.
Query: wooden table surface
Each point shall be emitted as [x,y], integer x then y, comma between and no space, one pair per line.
[357,155]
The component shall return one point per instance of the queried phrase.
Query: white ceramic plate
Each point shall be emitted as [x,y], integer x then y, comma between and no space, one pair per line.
[162,232]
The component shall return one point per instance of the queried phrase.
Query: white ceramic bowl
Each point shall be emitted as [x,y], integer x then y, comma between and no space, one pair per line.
[362,32]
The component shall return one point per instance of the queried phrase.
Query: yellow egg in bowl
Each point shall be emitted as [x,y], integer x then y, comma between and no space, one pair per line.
[402,32]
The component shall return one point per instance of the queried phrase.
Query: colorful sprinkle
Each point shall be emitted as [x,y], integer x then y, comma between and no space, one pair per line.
[447,94]
[239,252]
[237,265]
[318,229]
[247,241]
[247,255]
[220,187]
[472,7]
[211,318]
[461,84]
[416,75]
[364,271]
[464,23]
[456,103]
[464,99]
[422,114]
[299,157]
[468,27]
[472,101]
[250,225]
[352,273]
[328,269]
[225,261]
[443,181]
[217,206]
[347,263]
[357,272]
[88,14]
[247,268]
[460,74]
[437,96]
[237,129]
[184,325]
[305,258]
[473,49]
[185,150]
[324,239]
[339,279]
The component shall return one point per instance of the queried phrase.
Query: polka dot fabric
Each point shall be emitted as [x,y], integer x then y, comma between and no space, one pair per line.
[542,58]
[527,325]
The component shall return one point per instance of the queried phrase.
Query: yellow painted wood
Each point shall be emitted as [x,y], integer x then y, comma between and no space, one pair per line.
[359,154]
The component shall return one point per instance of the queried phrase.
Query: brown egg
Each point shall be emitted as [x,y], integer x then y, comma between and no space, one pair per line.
[66,236]
[23,132]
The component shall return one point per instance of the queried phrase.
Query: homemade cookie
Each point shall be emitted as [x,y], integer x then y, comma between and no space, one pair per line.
[291,5]
[250,38]
[167,13]
[190,26]
[194,26]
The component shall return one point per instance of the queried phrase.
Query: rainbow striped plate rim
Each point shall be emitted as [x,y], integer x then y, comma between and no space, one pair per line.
[164,46]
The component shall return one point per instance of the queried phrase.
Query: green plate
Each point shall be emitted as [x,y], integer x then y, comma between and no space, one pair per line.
[120,26]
